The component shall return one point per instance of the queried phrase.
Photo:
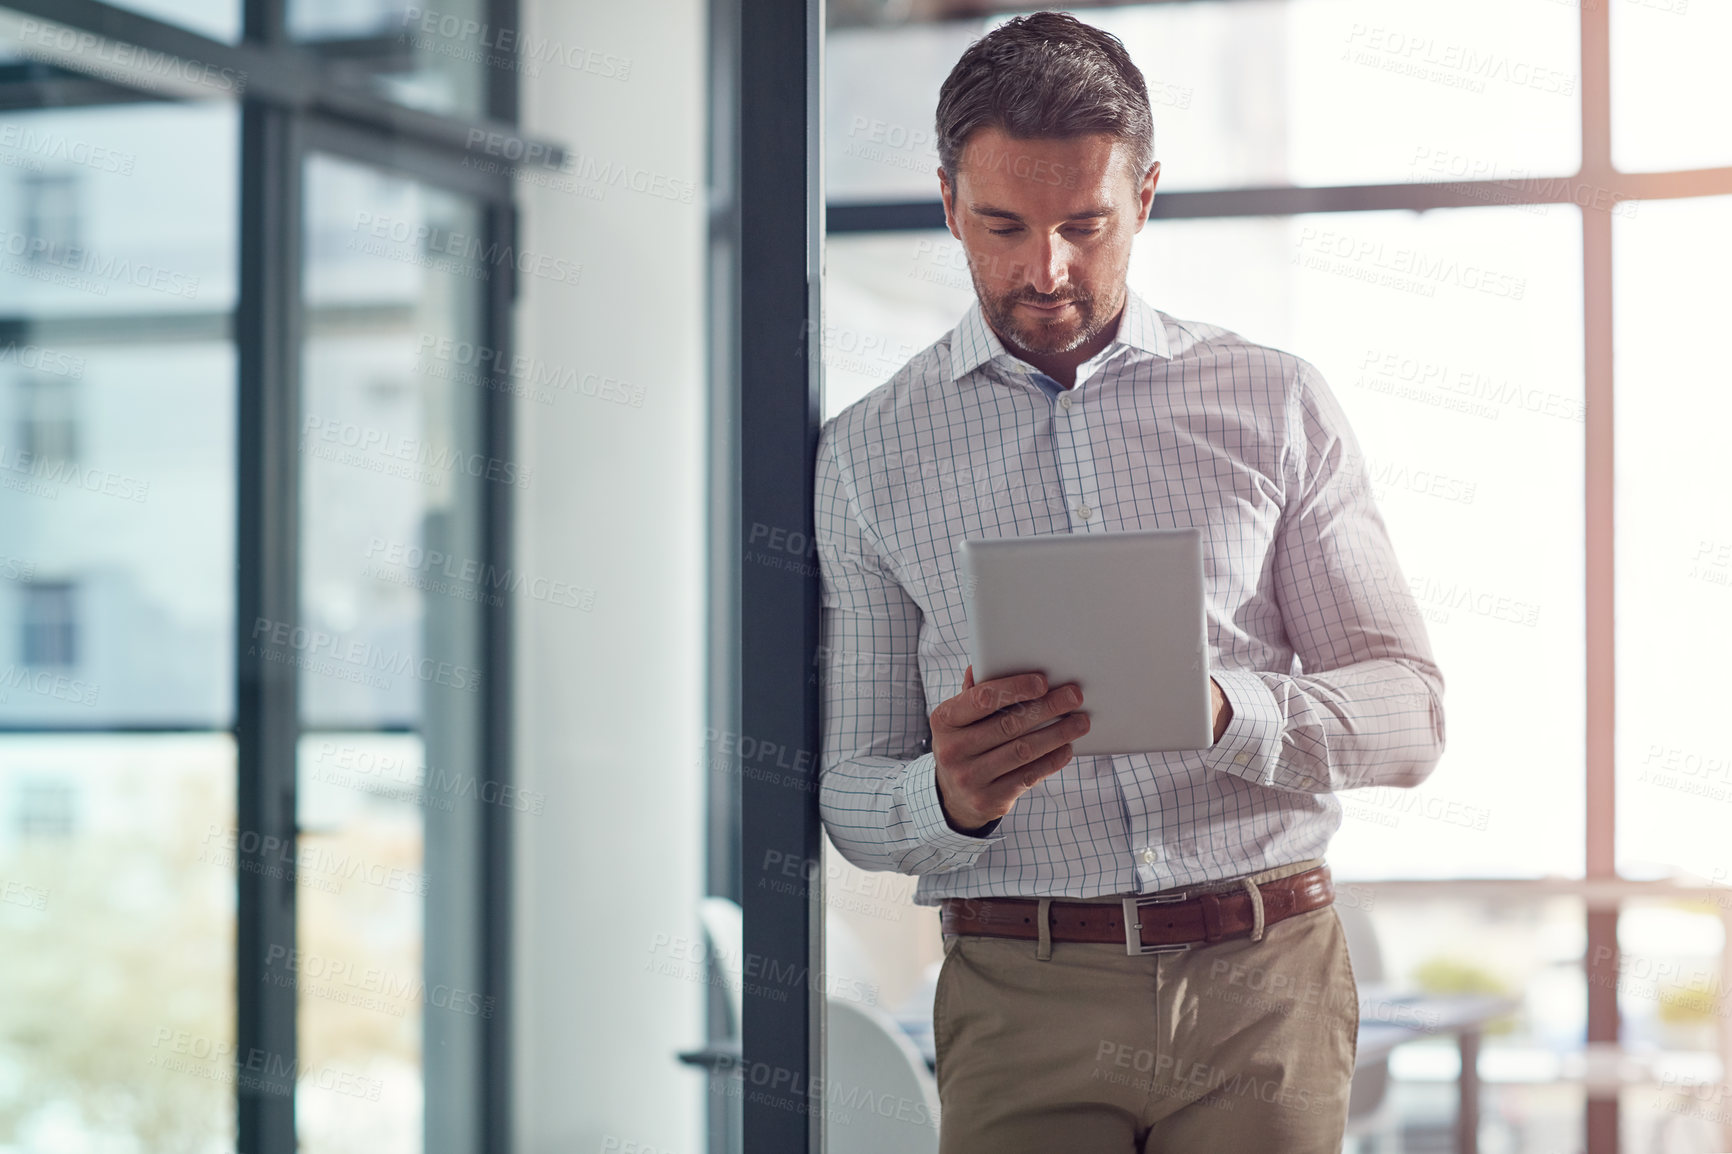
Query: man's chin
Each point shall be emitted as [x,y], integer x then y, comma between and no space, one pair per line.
[1049,339]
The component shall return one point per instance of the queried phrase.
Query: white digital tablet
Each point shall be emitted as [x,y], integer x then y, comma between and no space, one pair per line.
[1120,614]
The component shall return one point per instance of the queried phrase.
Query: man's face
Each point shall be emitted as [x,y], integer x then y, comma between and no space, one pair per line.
[1047,226]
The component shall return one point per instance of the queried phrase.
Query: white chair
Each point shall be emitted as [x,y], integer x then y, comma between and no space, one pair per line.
[724,1017]
[879,1097]
[725,937]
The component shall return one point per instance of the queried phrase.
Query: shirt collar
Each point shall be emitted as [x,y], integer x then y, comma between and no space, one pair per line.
[975,344]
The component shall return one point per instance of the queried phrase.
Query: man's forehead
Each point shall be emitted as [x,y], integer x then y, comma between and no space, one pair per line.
[992,136]
[1086,171]
[1090,211]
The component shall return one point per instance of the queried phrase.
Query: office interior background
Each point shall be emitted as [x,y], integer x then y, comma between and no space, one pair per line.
[400,538]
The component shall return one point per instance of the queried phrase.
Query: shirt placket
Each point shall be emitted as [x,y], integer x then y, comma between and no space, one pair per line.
[1076,463]
[1147,855]
[1082,499]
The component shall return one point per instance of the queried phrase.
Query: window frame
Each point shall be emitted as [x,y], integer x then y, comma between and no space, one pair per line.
[291,107]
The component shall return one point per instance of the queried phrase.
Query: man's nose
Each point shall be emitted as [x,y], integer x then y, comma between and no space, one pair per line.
[1046,266]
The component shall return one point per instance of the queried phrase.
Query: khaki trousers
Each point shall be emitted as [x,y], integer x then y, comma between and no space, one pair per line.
[1241,1046]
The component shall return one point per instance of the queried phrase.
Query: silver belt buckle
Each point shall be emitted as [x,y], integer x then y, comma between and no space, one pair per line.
[1134,924]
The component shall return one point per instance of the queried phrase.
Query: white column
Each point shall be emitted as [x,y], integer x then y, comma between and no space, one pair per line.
[609,699]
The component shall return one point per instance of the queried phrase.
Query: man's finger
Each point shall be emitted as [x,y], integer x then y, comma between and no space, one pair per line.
[987,698]
[1025,718]
[1013,785]
[1006,762]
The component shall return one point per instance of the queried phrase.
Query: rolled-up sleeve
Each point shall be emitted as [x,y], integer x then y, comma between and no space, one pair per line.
[1367,707]
[878,793]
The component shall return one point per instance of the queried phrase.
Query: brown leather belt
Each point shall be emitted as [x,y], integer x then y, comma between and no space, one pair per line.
[1153,924]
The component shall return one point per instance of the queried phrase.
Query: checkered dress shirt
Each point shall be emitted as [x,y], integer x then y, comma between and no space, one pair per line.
[1314,636]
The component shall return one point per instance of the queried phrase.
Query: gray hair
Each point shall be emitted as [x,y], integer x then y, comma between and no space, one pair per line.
[1045,75]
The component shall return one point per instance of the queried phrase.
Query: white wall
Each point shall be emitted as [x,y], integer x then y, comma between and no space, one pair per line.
[609,700]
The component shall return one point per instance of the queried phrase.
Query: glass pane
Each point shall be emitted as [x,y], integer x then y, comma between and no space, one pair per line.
[1671,97]
[394,581]
[1453,340]
[218,19]
[117,923]
[1355,91]
[391,450]
[358,970]
[880,98]
[886,297]
[1671,985]
[117,416]
[1262,92]
[426,56]
[1674,538]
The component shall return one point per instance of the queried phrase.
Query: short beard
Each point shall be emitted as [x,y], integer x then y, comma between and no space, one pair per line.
[1031,335]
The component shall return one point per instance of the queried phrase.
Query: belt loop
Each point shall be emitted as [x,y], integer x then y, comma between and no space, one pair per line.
[1256,908]
[1044,917]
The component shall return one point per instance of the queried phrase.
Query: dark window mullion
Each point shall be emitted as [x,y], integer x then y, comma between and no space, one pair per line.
[267,335]
[265,23]
[497,714]
[780,401]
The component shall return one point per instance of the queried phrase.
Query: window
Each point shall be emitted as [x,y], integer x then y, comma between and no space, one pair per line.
[433,57]
[52,225]
[118,456]
[50,620]
[394,474]
[1674,551]
[221,712]
[118,914]
[45,808]
[1258,93]
[1661,63]
[48,419]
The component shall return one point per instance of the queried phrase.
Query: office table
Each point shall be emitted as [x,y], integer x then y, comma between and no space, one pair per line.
[1388,1020]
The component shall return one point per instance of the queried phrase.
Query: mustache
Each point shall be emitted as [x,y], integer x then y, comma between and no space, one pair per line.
[1078,299]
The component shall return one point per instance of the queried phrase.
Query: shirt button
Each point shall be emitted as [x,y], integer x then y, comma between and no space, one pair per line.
[1148,857]
[1243,759]
[1064,401]
[1084,512]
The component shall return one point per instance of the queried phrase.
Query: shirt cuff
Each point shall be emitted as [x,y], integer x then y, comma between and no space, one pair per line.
[1250,746]
[920,793]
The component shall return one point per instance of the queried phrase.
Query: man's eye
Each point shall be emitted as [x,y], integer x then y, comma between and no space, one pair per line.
[1073,232]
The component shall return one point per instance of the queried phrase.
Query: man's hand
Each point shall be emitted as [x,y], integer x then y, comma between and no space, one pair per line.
[986,755]
[1222,707]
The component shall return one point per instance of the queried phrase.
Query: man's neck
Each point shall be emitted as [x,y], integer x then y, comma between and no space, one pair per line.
[1062,367]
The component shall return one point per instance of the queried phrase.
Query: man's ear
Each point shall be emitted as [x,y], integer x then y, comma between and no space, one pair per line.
[1146,193]
[948,195]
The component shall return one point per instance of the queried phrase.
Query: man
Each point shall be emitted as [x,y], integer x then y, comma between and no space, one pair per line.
[1216,1010]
